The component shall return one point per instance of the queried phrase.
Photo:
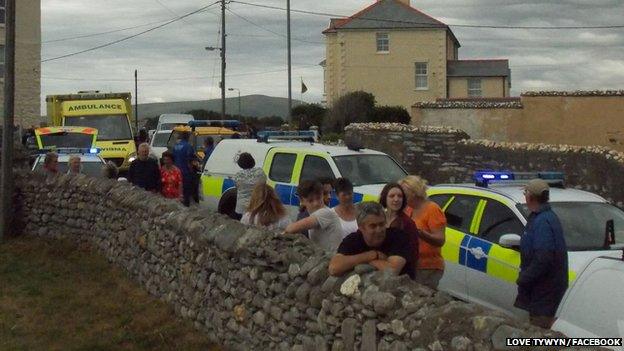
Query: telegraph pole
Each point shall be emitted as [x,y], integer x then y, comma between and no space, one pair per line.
[289,61]
[223,59]
[7,130]
[136,101]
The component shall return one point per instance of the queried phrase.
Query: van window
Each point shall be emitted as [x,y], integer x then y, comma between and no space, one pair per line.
[282,167]
[460,212]
[315,167]
[497,221]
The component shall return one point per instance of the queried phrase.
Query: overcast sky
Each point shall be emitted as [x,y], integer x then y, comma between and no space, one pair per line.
[175,65]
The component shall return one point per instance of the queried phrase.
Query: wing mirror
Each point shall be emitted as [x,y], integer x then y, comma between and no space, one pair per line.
[509,241]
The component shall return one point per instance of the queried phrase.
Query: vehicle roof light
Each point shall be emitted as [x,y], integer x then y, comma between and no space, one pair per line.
[306,135]
[70,150]
[483,178]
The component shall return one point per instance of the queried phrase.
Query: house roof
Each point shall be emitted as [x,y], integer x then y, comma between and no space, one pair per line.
[387,14]
[478,68]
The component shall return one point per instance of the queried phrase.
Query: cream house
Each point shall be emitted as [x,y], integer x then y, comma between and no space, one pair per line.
[27,61]
[403,56]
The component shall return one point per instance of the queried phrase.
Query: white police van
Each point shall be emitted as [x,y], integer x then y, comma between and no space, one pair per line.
[287,158]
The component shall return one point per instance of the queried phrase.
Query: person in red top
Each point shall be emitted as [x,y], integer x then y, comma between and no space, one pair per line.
[431,223]
[170,177]
[394,202]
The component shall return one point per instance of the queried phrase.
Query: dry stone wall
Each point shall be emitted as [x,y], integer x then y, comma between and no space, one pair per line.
[248,288]
[445,155]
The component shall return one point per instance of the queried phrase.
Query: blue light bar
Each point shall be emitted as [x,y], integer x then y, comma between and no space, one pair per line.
[227,123]
[482,178]
[70,150]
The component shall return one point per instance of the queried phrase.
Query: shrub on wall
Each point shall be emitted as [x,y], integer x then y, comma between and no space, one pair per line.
[391,114]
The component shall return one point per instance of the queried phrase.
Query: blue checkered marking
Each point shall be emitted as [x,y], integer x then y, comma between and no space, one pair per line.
[472,261]
[227,184]
[462,250]
[284,192]
[357,198]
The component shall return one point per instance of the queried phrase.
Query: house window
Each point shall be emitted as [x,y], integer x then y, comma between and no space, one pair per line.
[383,42]
[422,81]
[2,11]
[474,87]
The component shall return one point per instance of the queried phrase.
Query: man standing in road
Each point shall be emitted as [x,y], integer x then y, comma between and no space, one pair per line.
[144,171]
[183,153]
[543,276]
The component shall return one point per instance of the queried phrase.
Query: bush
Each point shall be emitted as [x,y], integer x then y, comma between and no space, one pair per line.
[396,114]
[354,107]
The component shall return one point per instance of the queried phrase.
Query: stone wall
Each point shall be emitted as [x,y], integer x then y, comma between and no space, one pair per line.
[445,155]
[551,117]
[248,288]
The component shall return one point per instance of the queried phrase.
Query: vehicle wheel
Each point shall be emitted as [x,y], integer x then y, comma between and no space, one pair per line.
[227,204]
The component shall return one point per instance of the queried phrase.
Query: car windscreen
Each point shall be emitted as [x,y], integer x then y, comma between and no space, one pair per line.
[160,139]
[92,169]
[584,223]
[110,127]
[369,169]
[64,139]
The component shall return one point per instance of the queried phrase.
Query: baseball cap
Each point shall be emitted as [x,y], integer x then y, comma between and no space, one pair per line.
[536,187]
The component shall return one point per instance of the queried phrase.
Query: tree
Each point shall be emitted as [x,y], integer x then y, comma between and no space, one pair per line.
[397,114]
[354,107]
[307,115]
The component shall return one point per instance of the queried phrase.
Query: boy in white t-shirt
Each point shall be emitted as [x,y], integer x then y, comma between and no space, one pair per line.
[323,224]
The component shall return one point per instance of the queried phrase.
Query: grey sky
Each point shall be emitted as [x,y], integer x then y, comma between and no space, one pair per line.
[176,66]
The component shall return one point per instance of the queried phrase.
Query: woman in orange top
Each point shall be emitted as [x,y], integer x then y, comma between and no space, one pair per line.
[431,222]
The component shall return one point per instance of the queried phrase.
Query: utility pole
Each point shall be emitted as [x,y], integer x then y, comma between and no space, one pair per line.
[136,101]
[289,61]
[223,59]
[9,111]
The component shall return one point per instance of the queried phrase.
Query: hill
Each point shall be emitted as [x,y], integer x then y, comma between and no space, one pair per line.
[251,105]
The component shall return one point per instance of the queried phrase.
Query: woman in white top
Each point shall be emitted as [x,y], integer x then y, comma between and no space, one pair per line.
[265,209]
[346,209]
[246,180]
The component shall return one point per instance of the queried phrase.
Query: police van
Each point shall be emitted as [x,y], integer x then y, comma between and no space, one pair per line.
[288,158]
[485,224]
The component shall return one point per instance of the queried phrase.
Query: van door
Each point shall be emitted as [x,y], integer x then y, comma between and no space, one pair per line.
[280,165]
[493,269]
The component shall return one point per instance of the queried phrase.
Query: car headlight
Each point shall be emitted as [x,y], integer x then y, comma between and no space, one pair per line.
[132,157]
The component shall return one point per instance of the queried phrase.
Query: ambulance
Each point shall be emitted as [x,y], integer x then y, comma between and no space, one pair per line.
[109,113]
[65,137]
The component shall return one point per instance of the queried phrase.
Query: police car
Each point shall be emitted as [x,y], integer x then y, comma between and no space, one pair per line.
[287,158]
[487,219]
[90,161]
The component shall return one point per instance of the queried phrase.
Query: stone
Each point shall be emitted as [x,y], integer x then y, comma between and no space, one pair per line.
[369,294]
[350,286]
[302,292]
[369,336]
[436,346]
[363,269]
[294,270]
[502,333]
[276,313]
[397,327]
[331,283]
[383,302]
[398,346]
[348,333]
[461,343]
[483,326]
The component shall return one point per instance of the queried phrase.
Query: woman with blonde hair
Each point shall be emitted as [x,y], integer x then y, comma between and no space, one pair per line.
[265,209]
[431,223]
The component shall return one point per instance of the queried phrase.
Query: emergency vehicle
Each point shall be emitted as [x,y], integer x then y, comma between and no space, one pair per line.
[287,159]
[63,137]
[168,121]
[109,113]
[485,224]
[199,133]
[90,161]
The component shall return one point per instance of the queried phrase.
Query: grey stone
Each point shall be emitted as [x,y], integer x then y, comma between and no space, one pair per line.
[259,318]
[483,326]
[398,346]
[436,346]
[348,333]
[302,292]
[276,313]
[461,343]
[502,333]
[294,270]
[397,327]
[369,336]
[363,269]
[369,294]
[383,302]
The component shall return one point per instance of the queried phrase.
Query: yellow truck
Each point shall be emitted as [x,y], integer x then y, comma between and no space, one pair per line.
[109,113]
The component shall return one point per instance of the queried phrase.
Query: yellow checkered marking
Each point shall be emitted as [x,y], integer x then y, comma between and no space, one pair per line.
[211,186]
[452,244]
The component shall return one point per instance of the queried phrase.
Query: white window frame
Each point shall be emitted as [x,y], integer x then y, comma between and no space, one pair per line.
[473,91]
[420,74]
[382,41]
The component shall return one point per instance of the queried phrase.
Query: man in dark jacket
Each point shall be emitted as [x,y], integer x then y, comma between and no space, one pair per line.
[144,171]
[543,276]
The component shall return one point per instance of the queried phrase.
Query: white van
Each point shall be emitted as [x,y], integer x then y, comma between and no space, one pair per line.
[594,306]
[168,121]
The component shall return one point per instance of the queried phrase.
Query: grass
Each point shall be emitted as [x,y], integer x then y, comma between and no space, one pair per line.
[55,295]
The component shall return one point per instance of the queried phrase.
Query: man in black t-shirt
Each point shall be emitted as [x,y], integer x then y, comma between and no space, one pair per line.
[374,244]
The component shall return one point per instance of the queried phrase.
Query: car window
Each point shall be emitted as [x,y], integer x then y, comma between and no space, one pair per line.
[282,167]
[498,220]
[315,167]
[460,212]
[440,199]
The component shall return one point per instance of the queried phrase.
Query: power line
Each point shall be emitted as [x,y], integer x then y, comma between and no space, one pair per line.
[80,36]
[270,30]
[333,15]
[129,37]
